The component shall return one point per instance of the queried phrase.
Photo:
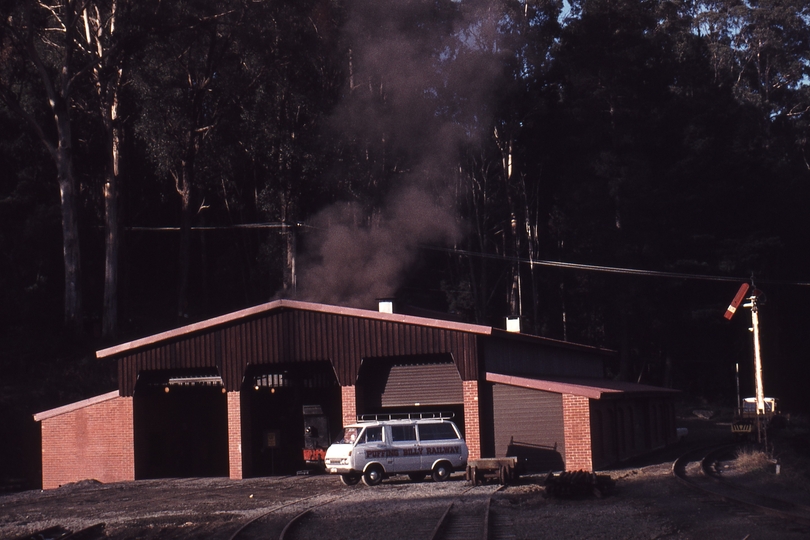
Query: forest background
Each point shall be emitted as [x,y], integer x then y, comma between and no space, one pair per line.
[609,171]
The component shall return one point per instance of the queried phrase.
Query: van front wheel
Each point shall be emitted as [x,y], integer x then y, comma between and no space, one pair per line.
[349,479]
[441,472]
[373,475]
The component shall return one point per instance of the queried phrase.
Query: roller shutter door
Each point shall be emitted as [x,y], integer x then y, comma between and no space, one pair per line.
[422,384]
[529,425]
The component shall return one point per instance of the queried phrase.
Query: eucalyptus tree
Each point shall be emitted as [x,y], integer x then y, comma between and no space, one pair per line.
[231,97]
[187,79]
[620,70]
[385,122]
[66,67]
[496,94]
[521,107]
[664,139]
[761,49]
[293,78]
[109,35]
[43,70]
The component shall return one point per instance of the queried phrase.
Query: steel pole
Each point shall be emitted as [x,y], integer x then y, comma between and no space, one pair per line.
[739,402]
[757,358]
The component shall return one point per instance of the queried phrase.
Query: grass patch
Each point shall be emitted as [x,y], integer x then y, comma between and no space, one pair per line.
[751,460]
[790,444]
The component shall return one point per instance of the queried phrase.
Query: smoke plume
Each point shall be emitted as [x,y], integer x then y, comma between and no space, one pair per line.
[354,265]
[417,89]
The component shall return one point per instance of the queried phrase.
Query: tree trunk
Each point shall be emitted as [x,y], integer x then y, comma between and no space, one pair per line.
[109,324]
[185,241]
[70,223]
[99,35]
[59,92]
[289,267]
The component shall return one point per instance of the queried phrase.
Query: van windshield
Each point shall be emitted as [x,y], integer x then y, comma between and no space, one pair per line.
[348,435]
[359,435]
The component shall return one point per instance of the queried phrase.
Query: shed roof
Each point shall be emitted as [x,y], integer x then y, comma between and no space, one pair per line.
[589,388]
[290,304]
[276,305]
[284,331]
[70,407]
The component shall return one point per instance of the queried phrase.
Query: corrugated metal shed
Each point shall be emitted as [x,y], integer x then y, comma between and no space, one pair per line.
[291,331]
[529,424]
[533,356]
[428,384]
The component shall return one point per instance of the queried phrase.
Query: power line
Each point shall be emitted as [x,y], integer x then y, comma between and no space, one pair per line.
[224,227]
[611,269]
[531,262]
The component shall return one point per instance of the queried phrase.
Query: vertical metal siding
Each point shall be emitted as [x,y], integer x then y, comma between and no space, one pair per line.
[426,384]
[531,421]
[295,336]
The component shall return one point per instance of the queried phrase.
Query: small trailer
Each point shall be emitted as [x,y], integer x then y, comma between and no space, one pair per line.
[505,470]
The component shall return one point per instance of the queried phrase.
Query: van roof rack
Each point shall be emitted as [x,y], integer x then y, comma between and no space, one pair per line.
[446,415]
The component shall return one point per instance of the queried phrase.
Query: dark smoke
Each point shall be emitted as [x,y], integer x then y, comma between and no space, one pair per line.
[418,90]
[353,265]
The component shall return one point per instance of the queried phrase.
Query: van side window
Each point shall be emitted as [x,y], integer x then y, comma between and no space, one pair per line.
[436,432]
[371,434]
[403,433]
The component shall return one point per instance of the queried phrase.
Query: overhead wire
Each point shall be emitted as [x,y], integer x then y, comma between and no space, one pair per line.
[611,269]
[225,227]
[532,262]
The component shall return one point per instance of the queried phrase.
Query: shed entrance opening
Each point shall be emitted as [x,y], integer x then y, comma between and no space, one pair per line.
[180,421]
[406,384]
[290,413]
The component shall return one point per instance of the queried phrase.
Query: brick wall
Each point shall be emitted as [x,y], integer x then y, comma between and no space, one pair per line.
[349,404]
[472,418]
[235,435]
[95,442]
[577,422]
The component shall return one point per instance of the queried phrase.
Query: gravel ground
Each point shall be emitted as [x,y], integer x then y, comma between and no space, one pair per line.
[648,502]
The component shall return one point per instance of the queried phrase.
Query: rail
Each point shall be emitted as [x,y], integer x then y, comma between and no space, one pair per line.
[284,525]
[93,532]
[467,516]
[710,482]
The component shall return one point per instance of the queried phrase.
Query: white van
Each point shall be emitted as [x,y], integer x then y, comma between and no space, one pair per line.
[373,449]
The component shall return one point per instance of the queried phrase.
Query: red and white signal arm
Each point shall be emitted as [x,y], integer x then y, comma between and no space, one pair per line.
[738,298]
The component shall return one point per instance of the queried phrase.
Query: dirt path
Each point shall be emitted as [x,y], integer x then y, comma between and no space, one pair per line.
[647,503]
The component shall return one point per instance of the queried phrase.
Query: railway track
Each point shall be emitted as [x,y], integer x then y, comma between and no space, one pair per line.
[276,522]
[697,469]
[151,508]
[94,532]
[468,517]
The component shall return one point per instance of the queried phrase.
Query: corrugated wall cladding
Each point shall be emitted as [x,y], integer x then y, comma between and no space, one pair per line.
[539,359]
[529,424]
[428,384]
[299,336]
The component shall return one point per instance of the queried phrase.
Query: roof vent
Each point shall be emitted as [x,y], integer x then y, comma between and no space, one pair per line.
[513,324]
[386,306]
